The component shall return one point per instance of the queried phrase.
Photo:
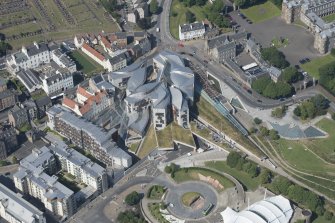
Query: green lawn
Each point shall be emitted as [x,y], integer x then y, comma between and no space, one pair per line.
[179,10]
[329,18]
[156,192]
[156,213]
[133,147]
[187,174]
[243,177]
[182,135]
[149,143]
[84,63]
[164,137]
[261,12]
[312,67]
[188,198]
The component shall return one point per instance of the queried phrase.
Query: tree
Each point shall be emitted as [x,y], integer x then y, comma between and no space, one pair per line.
[264,131]
[130,217]
[274,57]
[332,52]
[14,160]
[253,169]
[168,169]
[281,185]
[257,121]
[4,163]
[233,158]
[4,47]
[201,2]
[329,215]
[260,84]
[144,23]
[274,134]
[217,7]
[265,176]
[240,3]
[291,75]
[154,6]
[133,198]
[277,90]
[327,76]
[190,17]
[279,112]
[297,111]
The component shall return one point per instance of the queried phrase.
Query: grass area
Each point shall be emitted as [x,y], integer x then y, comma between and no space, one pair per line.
[88,16]
[261,12]
[329,18]
[156,213]
[181,135]
[207,112]
[68,182]
[322,219]
[84,63]
[188,198]
[156,192]
[25,128]
[174,132]
[324,147]
[178,16]
[149,143]
[278,43]
[164,138]
[38,94]
[244,178]
[187,174]
[133,147]
[312,67]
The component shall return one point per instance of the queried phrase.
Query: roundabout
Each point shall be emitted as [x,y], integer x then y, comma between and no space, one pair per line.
[201,197]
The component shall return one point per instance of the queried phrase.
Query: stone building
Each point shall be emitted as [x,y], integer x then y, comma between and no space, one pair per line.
[311,12]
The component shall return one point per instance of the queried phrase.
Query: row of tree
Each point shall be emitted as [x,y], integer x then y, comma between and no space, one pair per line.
[281,185]
[311,108]
[248,3]
[268,88]
[327,77]
[235,160]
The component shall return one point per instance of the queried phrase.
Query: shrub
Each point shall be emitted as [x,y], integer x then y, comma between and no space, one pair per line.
[133,198]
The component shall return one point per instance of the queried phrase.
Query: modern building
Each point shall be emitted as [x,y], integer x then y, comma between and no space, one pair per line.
[8,141]
[88,136]
[311,12]
[82,168]
[29,57]
[35,177]
[14,209]
[88,103]
[272,209]
[7,98]
[192,31]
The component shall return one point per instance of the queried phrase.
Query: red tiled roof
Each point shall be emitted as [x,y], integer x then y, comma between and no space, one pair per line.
[89,102]
[69,103]
[105,42]
[83,92]
[93,52]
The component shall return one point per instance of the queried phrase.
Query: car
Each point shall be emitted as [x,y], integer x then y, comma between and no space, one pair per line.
[7,173]
[307,59]
[302,61]
[259,100]
[282,99]
[205,61]
[189,154]
[297,66]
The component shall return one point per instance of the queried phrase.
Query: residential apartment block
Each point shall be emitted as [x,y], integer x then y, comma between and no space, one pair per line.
[29,57]
[82,168]
[35,177]
[88,136]
[63,60]
[14,209]
[88,103]
[7,98]
[191,31]
[311,12]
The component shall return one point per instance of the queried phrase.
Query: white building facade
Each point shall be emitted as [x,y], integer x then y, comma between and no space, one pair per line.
[191,31]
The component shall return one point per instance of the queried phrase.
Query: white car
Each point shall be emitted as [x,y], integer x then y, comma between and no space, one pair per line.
[189,154]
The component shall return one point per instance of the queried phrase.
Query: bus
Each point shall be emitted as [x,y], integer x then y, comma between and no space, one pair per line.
[208,209]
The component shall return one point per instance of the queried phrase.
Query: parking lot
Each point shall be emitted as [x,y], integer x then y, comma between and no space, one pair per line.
[300,40]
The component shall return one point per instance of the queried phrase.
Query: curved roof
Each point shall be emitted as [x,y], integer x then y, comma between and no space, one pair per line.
[137,79]
[274,209]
